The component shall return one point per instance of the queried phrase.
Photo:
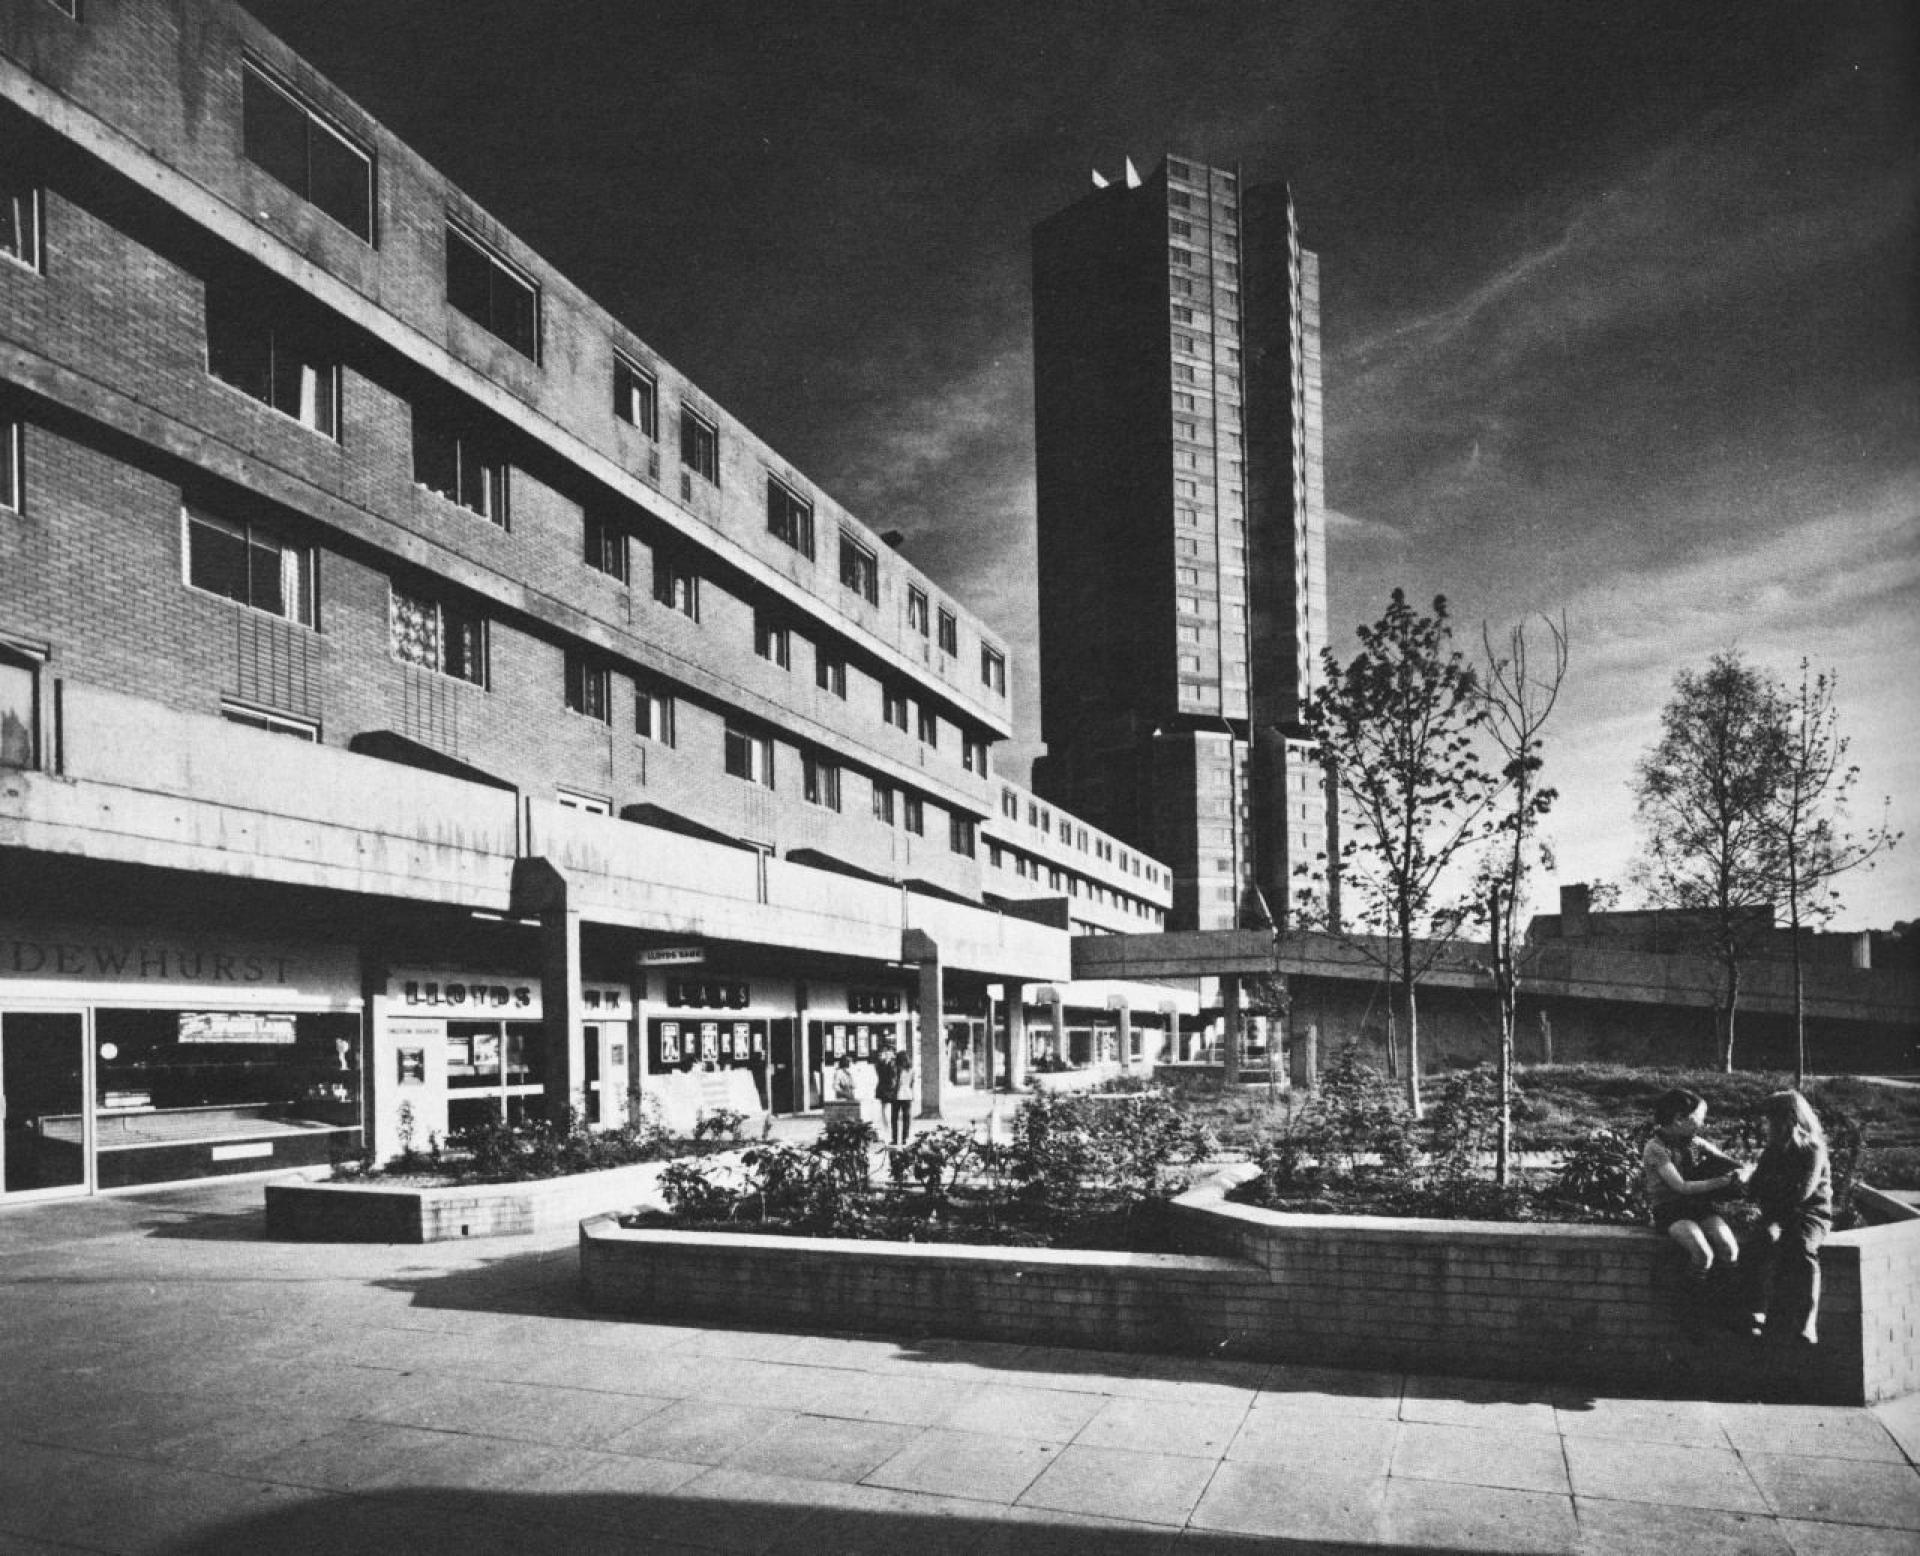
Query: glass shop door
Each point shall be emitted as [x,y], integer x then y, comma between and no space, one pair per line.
[43,1103]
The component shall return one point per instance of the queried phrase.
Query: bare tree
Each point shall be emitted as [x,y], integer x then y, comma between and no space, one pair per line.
[1517,695]
[1810,849]
[1397,727]
[1705,796]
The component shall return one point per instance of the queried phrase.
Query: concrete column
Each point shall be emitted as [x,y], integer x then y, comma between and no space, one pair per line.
[1230,1036]
[540,890]
[1016,1037]
[931,1067]
[1126,1038]
[1059,1028]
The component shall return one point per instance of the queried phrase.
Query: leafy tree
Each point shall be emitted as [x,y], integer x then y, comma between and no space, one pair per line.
[1517,695]
[1705,797]
[1810,849]
[1397,727]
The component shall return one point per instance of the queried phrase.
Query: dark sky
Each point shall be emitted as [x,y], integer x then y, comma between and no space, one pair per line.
[1618,298]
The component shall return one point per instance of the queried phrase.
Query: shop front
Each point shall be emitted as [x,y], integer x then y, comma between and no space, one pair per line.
[131,1058]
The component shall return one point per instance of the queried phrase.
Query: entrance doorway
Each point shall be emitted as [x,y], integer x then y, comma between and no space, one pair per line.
[43,1099]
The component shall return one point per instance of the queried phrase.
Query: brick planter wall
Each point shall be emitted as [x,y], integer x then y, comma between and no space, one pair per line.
[1599,1307]
[388,1213]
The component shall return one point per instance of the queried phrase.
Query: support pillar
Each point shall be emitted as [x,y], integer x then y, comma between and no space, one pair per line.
[1060,1055]
[540,891]
[1230,1037]
[930,1062]
[1125,1016]
[1016,1037]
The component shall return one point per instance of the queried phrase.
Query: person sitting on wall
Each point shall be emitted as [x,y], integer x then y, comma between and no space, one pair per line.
[1793,1186]
[1683,1175]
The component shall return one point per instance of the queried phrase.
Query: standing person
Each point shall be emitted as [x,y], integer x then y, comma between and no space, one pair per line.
[1793,1186]
[1683,1173]
[886,1083]
[900,1110]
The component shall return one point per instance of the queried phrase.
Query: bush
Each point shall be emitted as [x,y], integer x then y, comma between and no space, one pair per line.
[1602,1174]
[697,1193]
[1358,1112]
[1462,1123]
[719,1124]
[1069,1150]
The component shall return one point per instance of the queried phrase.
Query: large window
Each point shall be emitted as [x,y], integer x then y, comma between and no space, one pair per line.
[305,151]
[949,633]
[885,797]
[893,707]
[606,546]
[450,639]
[19,709]
[917,614]
[790,517]
[19,220]
[859,569]
[653,713]
[749,756]
[993,669]
[914,810]
[820,781]
[675,584]
[772,639]
[699,445]
[492,292]
[929,726]
[461,464]
[973,753]
[249,560]
[829,671]
[961,835]
[255,346]
[11,463]
[636,396]
[589,687]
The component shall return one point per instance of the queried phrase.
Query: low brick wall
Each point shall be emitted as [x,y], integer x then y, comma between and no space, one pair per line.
[1602,1307]
[378,1212]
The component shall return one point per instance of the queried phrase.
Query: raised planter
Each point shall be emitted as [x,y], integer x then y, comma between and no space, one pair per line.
[377,1212]
[1599,1307]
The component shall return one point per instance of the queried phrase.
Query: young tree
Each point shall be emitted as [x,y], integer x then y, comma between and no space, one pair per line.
[1517,695]
[1809,806]
[1397,728]
[1705,794]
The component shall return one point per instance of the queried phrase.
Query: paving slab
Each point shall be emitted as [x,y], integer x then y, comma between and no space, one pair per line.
[1844,1491]
[1146,1488]
[1164,1426]
[1638,1528]
[980,1466]
[1662,1472]
[1822,1431]
[1471,1456]
[1248,1498]
[1437,1515]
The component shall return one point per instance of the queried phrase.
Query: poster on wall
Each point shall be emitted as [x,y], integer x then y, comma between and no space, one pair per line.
[669,1042]
[759,1039]
[413,1066]
[726,1042]
[860,1042]
[742,1039]
[709,1040]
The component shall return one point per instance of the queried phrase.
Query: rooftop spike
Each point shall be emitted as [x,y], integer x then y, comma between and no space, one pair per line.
[1133,175]
[1099,179]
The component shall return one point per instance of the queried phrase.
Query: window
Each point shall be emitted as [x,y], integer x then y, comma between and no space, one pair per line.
[675,584]
[450,639]
[1179,200]
[820,781]
[19,708]
[255,348]
[883,801]
[829,672]
[961,836]
[299,146]
[636,396]
[1010,804]
[917,610]
[248,560]
[929,726]
[893,707]
[772,640]
[790,517]
[606,546]
[589,688]
[949,633]
[973,754]
[653,713]
[273,723]
[1179,227]
[914,811]
[460,464]
[498,296]
[591,804]
[12,482]
[749,756]
[859,569]
[699,445]
[19,221]
[1178,169]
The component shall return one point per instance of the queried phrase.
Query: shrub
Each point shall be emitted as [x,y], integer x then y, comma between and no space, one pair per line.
[1067,1150]
[719,1124]
[935,1160]
[1461,1123]
[697,1192]
[1602,1174]
[1358,1112]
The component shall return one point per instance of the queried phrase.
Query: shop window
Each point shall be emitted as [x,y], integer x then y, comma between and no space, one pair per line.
[497,1070]
[699,445]
[20,208]
[589,687]
[19,708]
[993,670]
[636,396]
[790,517]
[917,612]
[246,559]
[749,756]
[288,137]
[675,584]
[772,640]
[439,636]
[829,672]
[12,464]
[949,633]
[653,714]
[290,725]
[460,463]
[859,569]
[884,800]
[820,781]
[606,546]
[494,293]
[255,344]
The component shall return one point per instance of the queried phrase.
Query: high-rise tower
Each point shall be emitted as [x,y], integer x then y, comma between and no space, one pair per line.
[1182,538]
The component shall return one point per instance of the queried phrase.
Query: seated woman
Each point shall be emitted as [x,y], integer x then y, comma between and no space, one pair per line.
[1793,1186]
[1683,1174]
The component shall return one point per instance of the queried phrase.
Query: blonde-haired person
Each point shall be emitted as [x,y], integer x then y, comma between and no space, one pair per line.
[1793,1186]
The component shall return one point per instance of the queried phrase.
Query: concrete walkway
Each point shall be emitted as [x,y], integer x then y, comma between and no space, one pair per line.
[172,1381]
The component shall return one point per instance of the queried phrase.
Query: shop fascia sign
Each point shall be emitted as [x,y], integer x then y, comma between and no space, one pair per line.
[204,969]
[511,996]
[670,956]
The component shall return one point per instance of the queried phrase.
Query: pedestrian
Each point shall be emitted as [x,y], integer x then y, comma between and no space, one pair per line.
[900,1110]
[886,1071]
[1793,1186]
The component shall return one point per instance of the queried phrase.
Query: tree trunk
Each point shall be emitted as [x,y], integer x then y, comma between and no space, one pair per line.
[1726,1013]
[1504,990]
[1799,984]
[1413,1023]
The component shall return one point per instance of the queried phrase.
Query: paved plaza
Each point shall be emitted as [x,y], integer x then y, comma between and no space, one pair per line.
[172,1381]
